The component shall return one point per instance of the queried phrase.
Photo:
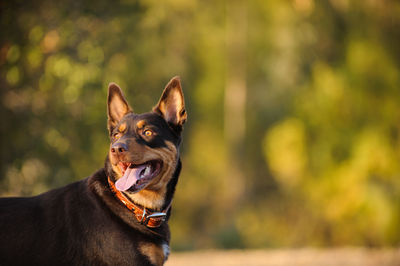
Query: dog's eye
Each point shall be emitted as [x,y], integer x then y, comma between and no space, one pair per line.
[117,136]
[148,133]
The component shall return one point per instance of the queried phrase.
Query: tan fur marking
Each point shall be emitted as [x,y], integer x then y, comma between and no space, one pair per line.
[140,124]
[122,127]
[161,107]
[153,252]
[114,166]
[153,195]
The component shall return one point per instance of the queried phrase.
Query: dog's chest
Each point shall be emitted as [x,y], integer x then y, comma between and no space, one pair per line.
[157,254]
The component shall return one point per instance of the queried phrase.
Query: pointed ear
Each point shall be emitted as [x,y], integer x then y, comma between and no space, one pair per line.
[171,105]
[117,106]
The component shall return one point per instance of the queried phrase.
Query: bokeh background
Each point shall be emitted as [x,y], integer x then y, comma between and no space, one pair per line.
[293,134]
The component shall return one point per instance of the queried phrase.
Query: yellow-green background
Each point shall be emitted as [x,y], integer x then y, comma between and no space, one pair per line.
[293,132]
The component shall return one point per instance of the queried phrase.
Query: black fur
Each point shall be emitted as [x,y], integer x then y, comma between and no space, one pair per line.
[80,224]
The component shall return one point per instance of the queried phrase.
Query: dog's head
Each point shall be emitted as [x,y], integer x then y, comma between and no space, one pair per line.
[144,149]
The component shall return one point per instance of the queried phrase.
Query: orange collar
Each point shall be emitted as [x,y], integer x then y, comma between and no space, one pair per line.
[144,216]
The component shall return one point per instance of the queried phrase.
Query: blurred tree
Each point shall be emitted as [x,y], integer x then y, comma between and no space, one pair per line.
[338,147]
[293,130]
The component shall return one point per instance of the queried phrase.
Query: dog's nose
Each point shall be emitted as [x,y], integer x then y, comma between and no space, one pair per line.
[119,148]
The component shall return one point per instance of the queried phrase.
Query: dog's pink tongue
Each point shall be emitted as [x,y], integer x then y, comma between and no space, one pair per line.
[130,178]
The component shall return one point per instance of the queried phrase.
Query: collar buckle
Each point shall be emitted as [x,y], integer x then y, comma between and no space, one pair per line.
[158,216]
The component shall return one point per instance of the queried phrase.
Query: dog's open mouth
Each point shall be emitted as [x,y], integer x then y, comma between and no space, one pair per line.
[136,176]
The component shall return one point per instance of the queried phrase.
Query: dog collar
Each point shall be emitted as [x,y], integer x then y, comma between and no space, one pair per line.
[143,215]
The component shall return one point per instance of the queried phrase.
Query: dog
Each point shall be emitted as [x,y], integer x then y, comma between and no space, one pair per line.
[118,215]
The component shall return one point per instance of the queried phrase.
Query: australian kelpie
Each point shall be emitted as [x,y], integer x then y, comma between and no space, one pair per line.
[117,216]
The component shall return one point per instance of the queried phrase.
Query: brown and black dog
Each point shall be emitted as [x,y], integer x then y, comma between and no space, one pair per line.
[117,216]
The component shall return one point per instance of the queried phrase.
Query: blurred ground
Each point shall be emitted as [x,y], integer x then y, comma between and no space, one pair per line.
[298,257]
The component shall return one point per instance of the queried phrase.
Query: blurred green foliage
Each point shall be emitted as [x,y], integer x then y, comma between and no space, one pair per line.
[304,151]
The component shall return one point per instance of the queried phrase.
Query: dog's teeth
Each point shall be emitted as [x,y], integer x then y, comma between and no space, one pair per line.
[147,170]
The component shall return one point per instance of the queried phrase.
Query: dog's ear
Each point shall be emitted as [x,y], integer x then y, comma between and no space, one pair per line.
[171,105]
[117,106]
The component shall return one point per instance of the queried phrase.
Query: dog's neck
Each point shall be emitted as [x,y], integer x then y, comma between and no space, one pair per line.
[146,199]
[144,216]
